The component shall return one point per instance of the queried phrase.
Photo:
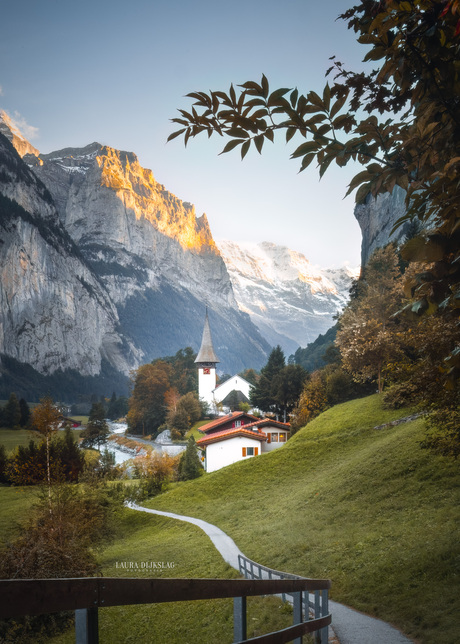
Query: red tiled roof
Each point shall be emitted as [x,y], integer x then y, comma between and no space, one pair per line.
[225,419]
[231,433]
[269,421]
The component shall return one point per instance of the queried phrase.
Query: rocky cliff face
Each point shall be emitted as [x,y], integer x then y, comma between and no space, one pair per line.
[54,313]
[101,265]
[133,232]
[287,298]
[376,218]
[8,129]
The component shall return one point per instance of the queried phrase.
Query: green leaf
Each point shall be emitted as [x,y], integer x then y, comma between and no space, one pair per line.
[304,148]
[338,106]
[251,85]
[237,132]
[315,100]
[306,161]
[174,134]
[244,149]
[362,193]
[265,86]
[290,133]
[419,249]
[269,135]
[327,96]
[358,179]
[232,144]
[259,142]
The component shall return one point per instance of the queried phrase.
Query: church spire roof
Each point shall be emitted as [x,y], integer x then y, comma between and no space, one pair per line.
[206,352]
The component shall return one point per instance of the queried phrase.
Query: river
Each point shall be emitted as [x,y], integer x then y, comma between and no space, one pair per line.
[162,443]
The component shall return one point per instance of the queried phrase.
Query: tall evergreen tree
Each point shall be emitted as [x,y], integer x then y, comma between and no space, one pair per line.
[12,412]
[97,429]
[25,412]
[262,395]
[190,465]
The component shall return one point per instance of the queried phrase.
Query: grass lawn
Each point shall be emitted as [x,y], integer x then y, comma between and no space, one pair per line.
[11,438]
[193,431]
[367,508]
[14,506]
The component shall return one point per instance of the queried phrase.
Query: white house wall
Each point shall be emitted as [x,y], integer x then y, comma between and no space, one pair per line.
[228,451]
[235,382]
[270,446]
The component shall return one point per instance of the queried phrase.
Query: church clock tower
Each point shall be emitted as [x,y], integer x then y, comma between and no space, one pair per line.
[206,361]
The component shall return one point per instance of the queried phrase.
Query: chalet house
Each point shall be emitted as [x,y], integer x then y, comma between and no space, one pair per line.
[238,436]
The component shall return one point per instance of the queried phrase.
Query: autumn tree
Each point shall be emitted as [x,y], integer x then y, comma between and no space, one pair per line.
[368,335]
[185,413]
[147,406]
[400,121]
[46,419]
[312,401]
[154,470]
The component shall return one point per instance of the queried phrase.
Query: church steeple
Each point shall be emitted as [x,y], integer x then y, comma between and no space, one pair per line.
[206,354]
[206,361]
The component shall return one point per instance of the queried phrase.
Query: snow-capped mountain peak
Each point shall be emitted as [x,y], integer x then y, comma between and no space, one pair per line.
[288,298]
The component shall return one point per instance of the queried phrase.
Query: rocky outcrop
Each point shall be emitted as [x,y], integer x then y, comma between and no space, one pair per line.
[376,218]
[287,298]
[54,313]
[8,129]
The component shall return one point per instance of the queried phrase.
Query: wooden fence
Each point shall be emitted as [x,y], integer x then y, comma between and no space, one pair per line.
[314,608]
[20,597]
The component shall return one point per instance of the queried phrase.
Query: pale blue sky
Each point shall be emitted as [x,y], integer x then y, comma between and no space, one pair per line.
[116,72]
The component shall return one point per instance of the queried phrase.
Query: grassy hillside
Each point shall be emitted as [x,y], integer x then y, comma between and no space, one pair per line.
[365,507]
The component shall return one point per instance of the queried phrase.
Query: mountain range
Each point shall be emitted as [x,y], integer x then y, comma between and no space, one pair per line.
[103,269]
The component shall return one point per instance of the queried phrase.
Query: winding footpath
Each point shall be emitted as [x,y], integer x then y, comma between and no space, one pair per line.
[349,626]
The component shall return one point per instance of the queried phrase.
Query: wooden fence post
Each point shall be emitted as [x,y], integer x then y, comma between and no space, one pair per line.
[86,626]
[239,619]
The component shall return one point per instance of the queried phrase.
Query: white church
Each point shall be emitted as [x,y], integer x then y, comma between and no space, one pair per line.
[206,362]
[238,435]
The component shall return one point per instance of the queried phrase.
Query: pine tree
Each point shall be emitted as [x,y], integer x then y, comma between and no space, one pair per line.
[97,429]
[12,412]
[190,465]
[25,412]
[262,395]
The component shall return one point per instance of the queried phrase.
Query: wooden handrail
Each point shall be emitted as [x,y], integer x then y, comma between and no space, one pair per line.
[39,596]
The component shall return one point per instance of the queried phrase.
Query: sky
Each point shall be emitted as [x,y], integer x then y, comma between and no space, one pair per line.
[116,72]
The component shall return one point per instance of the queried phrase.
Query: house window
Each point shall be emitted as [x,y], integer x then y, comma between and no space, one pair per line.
[282,438]
[250,451]
[274,438]
[237,423]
